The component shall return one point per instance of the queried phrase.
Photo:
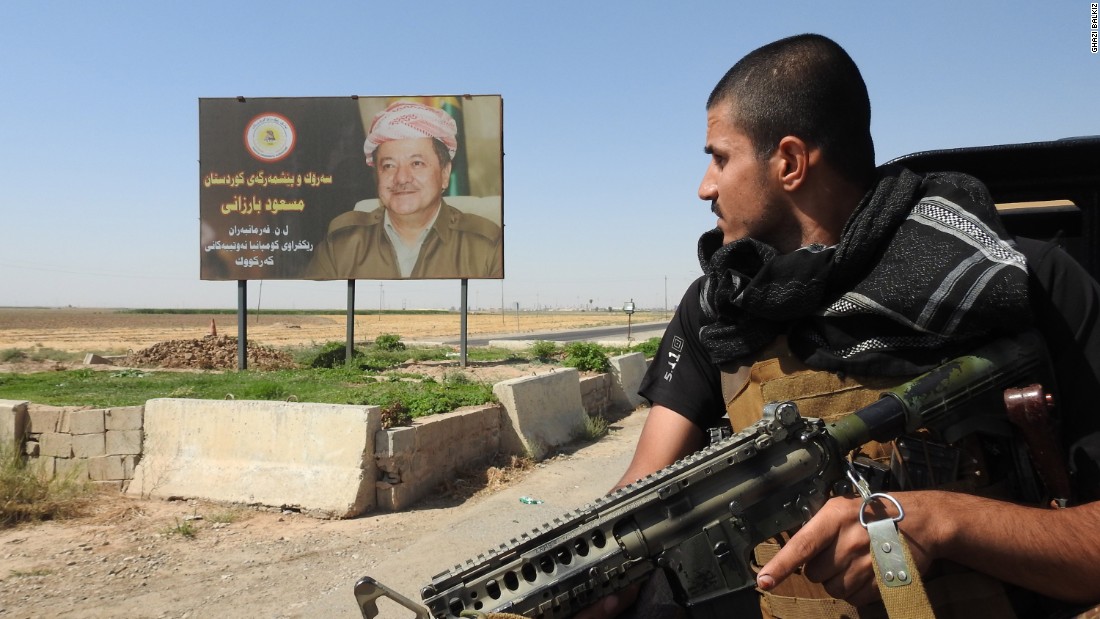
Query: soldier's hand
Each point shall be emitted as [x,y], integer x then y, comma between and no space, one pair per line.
[833,549]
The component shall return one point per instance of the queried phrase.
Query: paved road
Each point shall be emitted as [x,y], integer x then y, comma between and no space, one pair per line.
[638,333]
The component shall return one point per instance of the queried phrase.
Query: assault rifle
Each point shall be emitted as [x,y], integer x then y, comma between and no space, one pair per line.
[700,518]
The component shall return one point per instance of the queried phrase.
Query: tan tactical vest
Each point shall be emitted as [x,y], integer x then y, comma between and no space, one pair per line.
[779,376]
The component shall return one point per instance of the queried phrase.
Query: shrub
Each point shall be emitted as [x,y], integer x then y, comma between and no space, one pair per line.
[543,351]
[396,414]
[595,428]
[456,377]
[648,347]
[586,357]
[331,355]
[389,342]
[12,354]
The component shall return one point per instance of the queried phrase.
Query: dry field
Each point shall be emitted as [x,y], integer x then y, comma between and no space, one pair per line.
[107,331]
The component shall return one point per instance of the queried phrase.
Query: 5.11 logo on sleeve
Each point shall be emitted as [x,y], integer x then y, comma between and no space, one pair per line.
[674,356]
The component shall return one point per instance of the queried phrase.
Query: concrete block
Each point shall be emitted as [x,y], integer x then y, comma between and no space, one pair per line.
[41,420]
[596,394]
[123,442]
[89,445]
[45,465]
[541,412]
[56,444]
[94,359]
[106,468]
[70,468]
[30,449]
[315,457]
[395,441]
[124,418]
[414,461]
[86,422]
[627,372]
[13,422]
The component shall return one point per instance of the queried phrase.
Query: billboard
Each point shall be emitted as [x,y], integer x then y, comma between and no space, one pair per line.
[351,188]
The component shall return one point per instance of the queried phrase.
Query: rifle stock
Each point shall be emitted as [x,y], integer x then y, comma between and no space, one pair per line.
[700,518]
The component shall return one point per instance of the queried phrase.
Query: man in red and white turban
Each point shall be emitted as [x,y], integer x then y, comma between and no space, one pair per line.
[405,120]
[413,233]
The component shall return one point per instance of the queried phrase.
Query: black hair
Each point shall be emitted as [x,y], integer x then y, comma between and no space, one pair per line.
[809,87]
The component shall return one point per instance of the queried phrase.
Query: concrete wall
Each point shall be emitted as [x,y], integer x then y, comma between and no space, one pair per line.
[101,445]
[314,457]
[325,460]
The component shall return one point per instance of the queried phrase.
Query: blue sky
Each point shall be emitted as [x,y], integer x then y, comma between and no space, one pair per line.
[604,124]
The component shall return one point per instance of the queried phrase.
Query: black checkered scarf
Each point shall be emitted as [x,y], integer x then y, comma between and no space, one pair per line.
[923,270]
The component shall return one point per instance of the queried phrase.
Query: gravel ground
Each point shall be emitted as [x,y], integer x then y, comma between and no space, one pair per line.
[130,557]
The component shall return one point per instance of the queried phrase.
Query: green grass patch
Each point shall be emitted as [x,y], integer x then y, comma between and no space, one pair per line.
[425,398]
[85,387]
[374,377]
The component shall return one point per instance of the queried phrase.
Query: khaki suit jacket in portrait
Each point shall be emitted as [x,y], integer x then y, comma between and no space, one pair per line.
[459,245]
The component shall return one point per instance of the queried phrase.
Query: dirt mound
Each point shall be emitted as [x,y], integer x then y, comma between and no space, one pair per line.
[208,353]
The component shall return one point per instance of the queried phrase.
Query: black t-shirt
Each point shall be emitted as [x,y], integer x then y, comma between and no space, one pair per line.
[1066,305]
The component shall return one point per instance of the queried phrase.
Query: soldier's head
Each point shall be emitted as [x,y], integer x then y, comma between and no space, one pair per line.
[789,135]
[806,86]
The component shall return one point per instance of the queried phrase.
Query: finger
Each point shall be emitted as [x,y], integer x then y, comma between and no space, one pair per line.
[810,540]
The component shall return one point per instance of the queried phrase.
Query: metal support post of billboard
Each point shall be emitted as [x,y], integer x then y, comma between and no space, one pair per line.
[350,350]
[462,325]
[242,324]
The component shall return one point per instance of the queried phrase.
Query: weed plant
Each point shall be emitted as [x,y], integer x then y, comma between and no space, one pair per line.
[184,529]
[595,428]
[28,494]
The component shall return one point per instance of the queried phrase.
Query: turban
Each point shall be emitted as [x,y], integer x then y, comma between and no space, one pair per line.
[404,120]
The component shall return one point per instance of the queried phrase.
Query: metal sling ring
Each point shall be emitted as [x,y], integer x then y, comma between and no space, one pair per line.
[880,495]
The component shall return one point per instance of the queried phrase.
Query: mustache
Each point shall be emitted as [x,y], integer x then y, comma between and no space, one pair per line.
[409,186]
[714,208]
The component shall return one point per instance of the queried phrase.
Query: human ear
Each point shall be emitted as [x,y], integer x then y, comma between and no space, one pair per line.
[793,159]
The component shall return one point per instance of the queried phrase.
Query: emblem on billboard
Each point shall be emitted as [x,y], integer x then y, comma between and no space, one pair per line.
[269,137]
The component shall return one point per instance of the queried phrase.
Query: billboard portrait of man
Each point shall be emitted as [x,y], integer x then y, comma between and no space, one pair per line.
[351,188]
[411,230]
